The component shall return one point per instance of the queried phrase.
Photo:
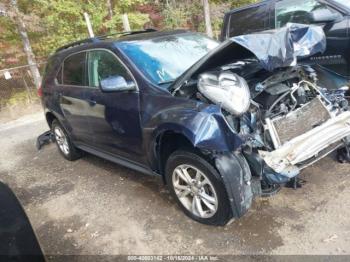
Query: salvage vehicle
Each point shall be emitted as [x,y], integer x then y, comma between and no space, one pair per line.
[332,15]
[220,123]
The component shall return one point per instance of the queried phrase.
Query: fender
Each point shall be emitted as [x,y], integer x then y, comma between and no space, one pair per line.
[206,130]
[235,173]
[60,119]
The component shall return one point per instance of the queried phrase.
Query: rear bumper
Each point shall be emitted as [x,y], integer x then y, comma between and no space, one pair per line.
[287,159]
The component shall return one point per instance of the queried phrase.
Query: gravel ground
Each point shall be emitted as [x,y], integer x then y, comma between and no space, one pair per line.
[92,206]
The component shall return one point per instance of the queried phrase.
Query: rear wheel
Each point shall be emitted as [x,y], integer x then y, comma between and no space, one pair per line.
[63,142]
[197,188]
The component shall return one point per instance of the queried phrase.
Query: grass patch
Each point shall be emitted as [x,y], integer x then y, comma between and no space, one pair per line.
[20,98]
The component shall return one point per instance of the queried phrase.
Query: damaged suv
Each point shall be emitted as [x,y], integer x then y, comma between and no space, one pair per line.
[220,123]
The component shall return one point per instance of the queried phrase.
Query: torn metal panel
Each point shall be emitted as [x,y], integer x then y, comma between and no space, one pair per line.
[237,178]
[44,139]
[272,49]
[282,47]
[203,125]
[309,144]
[321,154]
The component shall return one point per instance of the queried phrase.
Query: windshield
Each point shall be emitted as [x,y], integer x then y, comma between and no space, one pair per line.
[163,59]
[343,2]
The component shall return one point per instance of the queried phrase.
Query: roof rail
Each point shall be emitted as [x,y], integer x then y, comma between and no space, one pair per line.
[148,30]
[77,43]
[98,38]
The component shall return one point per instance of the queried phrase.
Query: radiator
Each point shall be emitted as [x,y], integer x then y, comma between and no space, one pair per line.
[300,121]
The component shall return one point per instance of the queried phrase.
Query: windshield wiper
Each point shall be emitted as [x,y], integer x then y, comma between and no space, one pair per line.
[166,82]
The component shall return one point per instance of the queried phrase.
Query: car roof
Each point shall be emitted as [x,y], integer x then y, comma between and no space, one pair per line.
[148,35]
[87,43]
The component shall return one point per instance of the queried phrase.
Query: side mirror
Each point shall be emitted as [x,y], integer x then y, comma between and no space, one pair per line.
[323,16]
[116,83]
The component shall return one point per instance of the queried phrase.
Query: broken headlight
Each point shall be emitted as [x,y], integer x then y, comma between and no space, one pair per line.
[226,89]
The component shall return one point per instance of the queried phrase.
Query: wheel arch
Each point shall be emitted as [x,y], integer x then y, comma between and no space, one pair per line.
[170,141]
[237,184]
[50,117]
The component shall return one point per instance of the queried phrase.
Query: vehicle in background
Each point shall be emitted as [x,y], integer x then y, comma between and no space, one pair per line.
[332,15]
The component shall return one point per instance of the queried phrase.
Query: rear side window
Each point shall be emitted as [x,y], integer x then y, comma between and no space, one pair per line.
[50,66]
[249,20]
[74,70]
[50,73]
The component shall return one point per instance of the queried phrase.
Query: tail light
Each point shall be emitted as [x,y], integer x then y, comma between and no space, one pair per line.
[40,91]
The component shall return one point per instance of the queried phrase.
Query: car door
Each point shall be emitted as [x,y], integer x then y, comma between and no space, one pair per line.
[336,57]
[113,116]
[72,82]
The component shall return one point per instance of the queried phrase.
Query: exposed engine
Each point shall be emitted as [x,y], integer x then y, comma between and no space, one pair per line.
[279,116]
[285,113]
[291,103]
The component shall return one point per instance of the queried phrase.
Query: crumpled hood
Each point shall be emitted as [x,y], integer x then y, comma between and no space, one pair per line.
[273,49]
[282,47]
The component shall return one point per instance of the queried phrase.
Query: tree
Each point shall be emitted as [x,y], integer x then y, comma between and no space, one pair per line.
[110,9]
[124,6]
[50,24]
[207,19]
[21,27]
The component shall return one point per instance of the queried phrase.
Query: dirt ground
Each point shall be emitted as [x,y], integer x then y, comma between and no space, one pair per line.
[92,206]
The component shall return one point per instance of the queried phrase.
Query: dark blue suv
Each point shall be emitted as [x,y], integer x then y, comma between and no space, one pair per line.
[208,118]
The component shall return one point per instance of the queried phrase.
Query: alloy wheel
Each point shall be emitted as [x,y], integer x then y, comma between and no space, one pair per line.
[195,191]
[61,140]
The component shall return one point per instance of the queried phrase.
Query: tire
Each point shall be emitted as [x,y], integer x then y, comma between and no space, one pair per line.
[64,143]
[205,202]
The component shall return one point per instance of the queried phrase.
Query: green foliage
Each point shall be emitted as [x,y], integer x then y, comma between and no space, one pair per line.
[64,22]
[136,20]
[189,14]
[175,17]
[7,31]
[20,98]
[53,23]
[238,3]
[128,5]
[234,3]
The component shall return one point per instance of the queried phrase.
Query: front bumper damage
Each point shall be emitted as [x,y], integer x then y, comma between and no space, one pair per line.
[287,160]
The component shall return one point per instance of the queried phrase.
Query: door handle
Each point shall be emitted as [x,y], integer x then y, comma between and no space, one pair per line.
[91,102]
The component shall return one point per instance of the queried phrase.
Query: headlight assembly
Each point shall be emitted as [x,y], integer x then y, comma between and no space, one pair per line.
[226,89]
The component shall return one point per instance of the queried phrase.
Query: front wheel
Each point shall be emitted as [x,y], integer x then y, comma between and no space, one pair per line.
[198,188]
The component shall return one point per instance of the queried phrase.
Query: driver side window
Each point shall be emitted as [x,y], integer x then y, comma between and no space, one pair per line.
[103,65]
[295,11]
